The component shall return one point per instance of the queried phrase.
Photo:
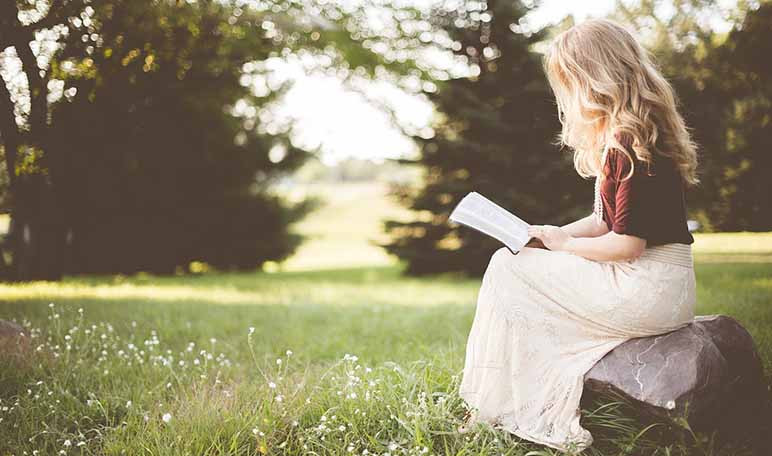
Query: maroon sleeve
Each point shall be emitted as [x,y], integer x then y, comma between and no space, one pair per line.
[629,217]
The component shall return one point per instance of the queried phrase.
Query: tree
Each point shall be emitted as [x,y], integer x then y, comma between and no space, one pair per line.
[153,173]
[36,230]
[143,148]
[723,84]
[495,135]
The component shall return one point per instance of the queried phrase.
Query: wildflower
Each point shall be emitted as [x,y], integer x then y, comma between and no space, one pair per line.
[341,428]
[251,330]
[278,361]
[289,353]
[67,443]
[294,423]
[167,417]
[272,385]
[279,398]
[128,404]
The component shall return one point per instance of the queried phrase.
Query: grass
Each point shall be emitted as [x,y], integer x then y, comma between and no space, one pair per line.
[341,359]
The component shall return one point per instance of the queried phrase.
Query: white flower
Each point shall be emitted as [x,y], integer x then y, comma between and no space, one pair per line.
[167,417]
[295,423]
[341,428]
[255,431]
[289,352]
[128,404]
[272,385]
[279,398]
[251,330]
[278,361]
[67,443]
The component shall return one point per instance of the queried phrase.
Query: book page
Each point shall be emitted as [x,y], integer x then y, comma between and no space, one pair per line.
[482,214]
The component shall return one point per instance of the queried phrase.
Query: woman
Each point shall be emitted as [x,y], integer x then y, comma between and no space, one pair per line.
[545,316]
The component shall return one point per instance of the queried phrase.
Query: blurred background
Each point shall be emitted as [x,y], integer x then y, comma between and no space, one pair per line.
[180,137]
[223,224]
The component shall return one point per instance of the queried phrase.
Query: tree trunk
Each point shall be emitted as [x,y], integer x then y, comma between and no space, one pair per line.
[36,235]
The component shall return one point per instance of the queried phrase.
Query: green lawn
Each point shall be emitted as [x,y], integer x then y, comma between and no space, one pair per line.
[373,369]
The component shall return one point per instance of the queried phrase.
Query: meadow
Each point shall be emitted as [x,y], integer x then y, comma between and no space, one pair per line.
[343,356]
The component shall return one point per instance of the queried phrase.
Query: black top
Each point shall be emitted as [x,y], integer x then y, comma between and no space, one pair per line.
[650,204]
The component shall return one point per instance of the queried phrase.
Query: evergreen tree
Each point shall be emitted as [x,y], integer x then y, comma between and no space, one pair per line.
[723,83]
[495,135]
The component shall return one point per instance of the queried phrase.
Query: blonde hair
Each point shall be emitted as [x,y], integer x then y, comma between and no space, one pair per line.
[608,89]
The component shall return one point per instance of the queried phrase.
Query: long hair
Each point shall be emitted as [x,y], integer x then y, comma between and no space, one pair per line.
[608,88]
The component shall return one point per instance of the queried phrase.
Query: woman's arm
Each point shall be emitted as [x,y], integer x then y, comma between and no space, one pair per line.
[586,227]
[608,247]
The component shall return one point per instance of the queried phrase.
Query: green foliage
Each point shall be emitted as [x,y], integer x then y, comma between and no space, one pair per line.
[495,137]
[725,89]
[152,170]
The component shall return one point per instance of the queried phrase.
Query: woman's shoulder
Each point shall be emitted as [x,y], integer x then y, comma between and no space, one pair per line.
[619,163]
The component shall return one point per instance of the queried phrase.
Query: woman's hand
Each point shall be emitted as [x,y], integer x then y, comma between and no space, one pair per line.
[553,237]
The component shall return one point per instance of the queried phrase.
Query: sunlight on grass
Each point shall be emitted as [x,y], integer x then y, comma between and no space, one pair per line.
[345,230]
[733,247]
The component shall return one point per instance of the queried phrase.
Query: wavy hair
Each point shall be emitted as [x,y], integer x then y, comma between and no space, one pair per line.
[609,91]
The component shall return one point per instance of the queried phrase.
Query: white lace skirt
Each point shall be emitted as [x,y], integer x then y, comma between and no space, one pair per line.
[544,318]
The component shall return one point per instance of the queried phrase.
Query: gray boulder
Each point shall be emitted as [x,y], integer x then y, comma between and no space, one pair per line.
[13,338]
[703,376]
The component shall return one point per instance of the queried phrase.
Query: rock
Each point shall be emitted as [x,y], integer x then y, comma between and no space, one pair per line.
[13,338]
[707,373]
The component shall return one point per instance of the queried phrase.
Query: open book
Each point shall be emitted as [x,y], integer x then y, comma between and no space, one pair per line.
[482,214]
